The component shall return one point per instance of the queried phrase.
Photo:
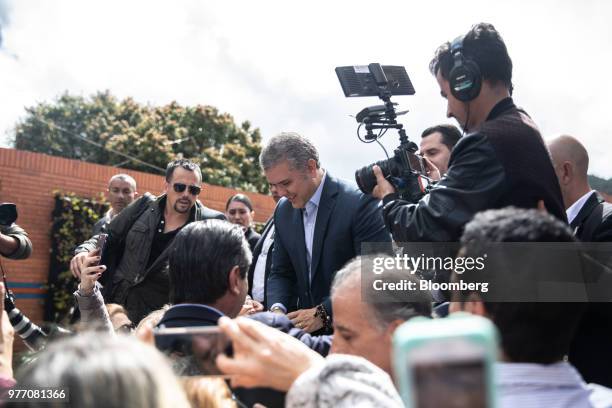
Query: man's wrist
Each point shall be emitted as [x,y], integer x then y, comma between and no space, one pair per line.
[278,308]
[86,291]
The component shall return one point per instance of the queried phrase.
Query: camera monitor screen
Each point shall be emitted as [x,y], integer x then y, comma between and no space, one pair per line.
[193,350]
[358,80]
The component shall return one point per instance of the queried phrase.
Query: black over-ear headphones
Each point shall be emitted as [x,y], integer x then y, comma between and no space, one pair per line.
[464,78]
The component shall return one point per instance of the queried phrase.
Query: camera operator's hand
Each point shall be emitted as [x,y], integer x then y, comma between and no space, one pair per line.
[90,273]
[383,187]
[432,171]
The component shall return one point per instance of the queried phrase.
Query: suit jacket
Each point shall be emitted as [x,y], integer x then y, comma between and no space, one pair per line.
[594,221]
[590,351]
[345,219]
[256,252]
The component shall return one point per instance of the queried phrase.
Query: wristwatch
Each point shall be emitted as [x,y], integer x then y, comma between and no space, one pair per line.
[277,308]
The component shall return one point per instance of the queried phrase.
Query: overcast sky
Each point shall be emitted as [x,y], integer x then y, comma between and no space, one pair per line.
[272,62]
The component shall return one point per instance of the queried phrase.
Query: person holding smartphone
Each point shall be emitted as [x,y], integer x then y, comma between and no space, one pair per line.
[140,239]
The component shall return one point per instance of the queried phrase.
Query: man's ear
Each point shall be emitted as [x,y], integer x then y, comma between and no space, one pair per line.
[392,327]
[234,280]
[312,167]
[567,173]
[166,187]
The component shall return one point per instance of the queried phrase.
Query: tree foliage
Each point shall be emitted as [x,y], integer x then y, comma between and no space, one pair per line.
[600,184]
[228,153]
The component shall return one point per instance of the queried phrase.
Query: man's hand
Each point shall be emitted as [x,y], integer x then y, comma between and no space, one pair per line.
[7,334]
[90,273]
[432,171]
[263,356]
[383,187]
[77,263]
[306,320]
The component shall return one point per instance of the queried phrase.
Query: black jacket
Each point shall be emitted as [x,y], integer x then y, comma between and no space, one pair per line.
[139,289]
[502,163]
[591,351]
[594,221]
[252,238]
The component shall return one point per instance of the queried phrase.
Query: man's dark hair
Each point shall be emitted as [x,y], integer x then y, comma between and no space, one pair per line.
[450,134]
[185,164]
[483,45]
[530,332]
[201,258]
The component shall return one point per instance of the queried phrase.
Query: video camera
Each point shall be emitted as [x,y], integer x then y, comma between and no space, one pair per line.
[406,170]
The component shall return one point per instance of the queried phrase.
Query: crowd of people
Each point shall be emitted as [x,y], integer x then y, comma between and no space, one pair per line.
[288,308]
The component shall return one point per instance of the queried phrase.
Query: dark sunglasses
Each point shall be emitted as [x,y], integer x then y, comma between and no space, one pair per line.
[180,187]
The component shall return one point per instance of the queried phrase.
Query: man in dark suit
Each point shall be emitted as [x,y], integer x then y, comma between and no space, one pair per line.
[588,214]
[320,224]
[591,220]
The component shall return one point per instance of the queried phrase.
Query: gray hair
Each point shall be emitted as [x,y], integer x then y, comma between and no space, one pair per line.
[123,177]
[289,146]
[106,372]
[389,306]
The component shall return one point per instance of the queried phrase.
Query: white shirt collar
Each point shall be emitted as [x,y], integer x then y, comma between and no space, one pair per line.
[575,208]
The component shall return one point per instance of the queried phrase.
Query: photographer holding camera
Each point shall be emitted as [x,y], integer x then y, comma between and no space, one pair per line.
[501,160]
[14,241]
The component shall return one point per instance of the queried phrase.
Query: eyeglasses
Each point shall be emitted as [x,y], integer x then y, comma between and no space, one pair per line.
[180,187]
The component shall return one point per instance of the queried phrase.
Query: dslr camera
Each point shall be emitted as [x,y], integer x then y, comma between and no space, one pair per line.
[406,170]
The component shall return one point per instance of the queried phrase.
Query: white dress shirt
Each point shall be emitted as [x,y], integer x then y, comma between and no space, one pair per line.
[259,274]
[556,385]
[309,217]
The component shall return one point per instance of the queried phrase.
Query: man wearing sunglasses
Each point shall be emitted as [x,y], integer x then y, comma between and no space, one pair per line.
[135,270]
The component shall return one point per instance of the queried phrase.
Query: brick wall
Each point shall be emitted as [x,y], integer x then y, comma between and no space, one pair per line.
[29,179]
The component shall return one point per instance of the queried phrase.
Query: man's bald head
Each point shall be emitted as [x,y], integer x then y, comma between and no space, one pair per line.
[571,162]
[567,148]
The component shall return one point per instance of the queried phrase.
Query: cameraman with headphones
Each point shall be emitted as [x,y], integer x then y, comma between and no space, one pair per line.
[501,160]
[14,241]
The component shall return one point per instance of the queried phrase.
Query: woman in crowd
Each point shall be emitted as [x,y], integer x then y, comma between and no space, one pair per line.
[239,210]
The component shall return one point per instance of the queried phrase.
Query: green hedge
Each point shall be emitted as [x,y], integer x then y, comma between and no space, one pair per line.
[73,220]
